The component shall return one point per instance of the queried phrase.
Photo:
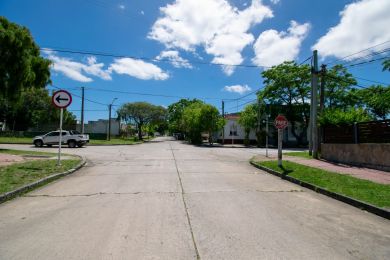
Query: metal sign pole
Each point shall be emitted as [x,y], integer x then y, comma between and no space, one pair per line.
[60,142]
[280,138]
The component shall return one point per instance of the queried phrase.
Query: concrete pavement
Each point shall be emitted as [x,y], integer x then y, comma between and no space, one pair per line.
[168,200]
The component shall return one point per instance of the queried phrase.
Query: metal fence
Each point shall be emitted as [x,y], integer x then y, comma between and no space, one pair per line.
[364,132]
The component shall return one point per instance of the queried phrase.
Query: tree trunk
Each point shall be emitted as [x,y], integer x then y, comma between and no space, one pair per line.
[139,131]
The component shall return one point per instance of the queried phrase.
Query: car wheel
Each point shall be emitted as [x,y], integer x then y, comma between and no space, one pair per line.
[80,145]
[71,144]
[38,143]
[49,145]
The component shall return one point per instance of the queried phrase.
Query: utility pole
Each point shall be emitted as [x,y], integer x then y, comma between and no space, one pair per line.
[310,132]
[109,119]
[82,110]
[322,102]
[267,115]
[223,116]
[314,109]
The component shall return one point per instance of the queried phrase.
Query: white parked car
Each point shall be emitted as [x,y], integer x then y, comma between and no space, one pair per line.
[72,138]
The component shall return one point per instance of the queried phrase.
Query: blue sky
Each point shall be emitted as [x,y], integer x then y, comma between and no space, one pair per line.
[180,38]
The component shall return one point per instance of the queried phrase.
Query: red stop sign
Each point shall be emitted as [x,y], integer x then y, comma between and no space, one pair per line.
[281,122]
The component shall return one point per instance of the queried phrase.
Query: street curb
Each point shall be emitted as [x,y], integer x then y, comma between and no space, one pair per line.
[28,187]
[353,202]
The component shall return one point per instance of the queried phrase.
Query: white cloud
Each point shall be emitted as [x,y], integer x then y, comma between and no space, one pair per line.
[215,25]
[142,12]
[241,89]
[76,70]
[123,7]
[138,69]
[273,47]
[275,1]
[174,58]
[363,24]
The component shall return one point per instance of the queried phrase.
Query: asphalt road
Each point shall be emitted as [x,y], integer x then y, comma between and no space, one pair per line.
[169,200]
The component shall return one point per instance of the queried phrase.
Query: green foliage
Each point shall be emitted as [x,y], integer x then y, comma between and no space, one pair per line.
[142,114]
[175,114]
[386,65]
[248,120]
[339,92]
[337,116]
[21,65]
[287,87]
[199,117]
[377,100]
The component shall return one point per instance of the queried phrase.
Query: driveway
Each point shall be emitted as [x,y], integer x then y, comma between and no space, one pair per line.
[169,200]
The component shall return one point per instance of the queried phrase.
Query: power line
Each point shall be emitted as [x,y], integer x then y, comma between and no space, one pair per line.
[369,61]
[367,56]
[346,81]
[305,60]
[350,55]
[106,54]
[373,81]
[92,101]
[243,104]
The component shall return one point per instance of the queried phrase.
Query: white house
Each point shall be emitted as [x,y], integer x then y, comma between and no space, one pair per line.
[234,132]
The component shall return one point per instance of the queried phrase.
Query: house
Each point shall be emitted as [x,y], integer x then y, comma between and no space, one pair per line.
[235,133]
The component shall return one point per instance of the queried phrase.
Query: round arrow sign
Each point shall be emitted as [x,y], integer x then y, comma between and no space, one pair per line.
[281,122]
[61,99]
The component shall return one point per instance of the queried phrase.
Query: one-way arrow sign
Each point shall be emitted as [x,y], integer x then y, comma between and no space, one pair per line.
[61,99]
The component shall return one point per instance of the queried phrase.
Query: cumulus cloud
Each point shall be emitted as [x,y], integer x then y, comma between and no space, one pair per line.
[76,70]
[138,69]
[215,25]
[273,47]
[240,89]
[174,58]
[363,24]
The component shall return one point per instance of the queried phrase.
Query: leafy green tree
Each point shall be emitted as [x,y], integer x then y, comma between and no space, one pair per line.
[377,100]
[141,114]
[248,120]
[21,65]
[200,117]
[339,91]
[287,86]
[175,114]
[338,116]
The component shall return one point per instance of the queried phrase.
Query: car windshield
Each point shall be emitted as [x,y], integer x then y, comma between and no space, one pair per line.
[74,132]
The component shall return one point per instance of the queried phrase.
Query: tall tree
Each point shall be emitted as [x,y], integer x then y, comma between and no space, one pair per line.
[175,114]
[141,114]
[377,100]
[21,65]
[339,90]
[248,120]
[287,86]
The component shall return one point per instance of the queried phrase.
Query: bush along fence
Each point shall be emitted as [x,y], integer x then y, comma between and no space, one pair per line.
[364,132]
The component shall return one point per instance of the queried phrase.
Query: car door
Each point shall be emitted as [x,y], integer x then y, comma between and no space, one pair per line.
[51,138]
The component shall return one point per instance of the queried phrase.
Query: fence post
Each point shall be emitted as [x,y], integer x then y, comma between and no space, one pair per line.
[355,133]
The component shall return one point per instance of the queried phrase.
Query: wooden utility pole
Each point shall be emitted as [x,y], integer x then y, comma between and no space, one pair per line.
[82,110]
[315,101]
[322,102]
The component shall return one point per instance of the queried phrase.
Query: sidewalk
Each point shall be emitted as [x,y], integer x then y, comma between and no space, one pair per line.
[357,172]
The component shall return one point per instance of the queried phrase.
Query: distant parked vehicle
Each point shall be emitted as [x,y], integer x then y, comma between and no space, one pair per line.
[71,138]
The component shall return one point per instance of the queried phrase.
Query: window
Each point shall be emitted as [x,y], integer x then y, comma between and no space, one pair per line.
[53,134]
[233,130]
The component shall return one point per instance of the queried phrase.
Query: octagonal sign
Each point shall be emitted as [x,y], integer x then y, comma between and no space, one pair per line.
[280,122]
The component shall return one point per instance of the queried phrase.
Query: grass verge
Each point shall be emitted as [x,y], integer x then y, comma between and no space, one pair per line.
[19,174]
[15,140]
[363,190]
[114,141]
[26,153]
[299,154]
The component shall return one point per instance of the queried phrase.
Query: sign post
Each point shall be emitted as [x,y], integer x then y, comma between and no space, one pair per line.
[280,123]
[61,99]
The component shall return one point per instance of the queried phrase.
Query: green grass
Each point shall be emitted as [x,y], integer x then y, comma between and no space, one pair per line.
[114,141]
[299,154]
[17,175]
[367,191]
[26,153]
[15,140]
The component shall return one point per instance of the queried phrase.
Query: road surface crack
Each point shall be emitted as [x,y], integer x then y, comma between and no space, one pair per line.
[98,194]
[185,205]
